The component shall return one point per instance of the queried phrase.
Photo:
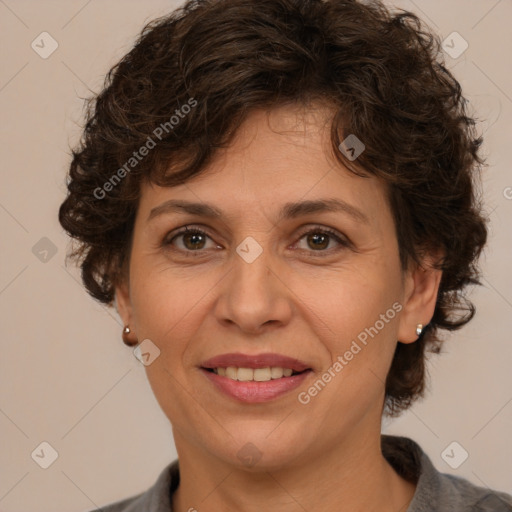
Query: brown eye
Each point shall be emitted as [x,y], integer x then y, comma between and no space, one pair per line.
[192,240]
[319,239]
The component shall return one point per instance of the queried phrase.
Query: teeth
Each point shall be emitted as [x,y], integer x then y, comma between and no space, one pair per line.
[231,372]
[245,374]
[261,374]
[276,372]
[250,374]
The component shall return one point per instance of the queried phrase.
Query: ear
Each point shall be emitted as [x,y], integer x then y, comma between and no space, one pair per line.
[124,305]
[421,286]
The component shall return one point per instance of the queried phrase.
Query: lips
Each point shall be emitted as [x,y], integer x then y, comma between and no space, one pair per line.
[260,389]
[255,361]
[256,392]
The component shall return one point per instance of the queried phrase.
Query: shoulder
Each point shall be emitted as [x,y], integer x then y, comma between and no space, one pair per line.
[132,504]
[438,491]
[158,498]
[456,493]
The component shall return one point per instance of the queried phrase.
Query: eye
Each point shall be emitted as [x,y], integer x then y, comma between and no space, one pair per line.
[193,239]
[318,239]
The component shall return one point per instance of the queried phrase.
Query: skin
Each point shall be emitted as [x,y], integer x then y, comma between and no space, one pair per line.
[295,299]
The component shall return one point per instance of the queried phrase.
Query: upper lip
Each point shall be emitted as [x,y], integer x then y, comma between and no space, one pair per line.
[255,361]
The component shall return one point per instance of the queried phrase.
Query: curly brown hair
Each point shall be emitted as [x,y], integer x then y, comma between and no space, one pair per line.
[211,62]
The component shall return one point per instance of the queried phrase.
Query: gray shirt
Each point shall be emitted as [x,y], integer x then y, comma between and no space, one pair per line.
[435,491]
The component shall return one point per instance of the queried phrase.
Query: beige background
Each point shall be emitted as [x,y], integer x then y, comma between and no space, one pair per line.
[66,377]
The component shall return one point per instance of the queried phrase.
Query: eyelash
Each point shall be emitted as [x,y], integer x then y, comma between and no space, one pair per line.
[317,230]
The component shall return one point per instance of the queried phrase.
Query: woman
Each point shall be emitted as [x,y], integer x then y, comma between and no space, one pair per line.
[279,197]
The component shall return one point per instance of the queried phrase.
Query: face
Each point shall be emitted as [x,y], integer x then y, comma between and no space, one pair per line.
[320,285]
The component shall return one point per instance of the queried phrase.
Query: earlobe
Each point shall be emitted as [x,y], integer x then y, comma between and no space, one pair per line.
[124,309]
[421,290]
[123,304]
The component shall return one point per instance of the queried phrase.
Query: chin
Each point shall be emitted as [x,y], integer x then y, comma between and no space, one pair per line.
[260,453]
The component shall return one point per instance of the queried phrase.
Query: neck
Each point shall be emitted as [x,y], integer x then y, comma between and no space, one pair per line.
[354,476]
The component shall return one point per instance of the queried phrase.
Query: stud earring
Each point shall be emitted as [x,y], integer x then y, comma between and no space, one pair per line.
[419,329]
[126,337]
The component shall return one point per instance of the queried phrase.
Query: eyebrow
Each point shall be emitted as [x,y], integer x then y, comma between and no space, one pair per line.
[288,211]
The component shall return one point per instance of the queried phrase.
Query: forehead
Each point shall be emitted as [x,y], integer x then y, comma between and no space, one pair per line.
[276,158]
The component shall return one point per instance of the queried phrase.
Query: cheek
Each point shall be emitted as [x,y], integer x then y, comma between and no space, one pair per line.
[355,318]
[160,298]
[348,302]
[167,313]
[170,310]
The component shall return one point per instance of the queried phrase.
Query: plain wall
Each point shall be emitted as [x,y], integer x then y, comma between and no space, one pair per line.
[66,377]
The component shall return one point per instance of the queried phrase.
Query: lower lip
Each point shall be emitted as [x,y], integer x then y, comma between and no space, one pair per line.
[254,392]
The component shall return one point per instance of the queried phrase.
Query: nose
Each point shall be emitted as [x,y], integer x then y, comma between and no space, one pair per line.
[253,297]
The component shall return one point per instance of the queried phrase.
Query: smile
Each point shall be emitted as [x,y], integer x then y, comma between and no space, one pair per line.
[255,385]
